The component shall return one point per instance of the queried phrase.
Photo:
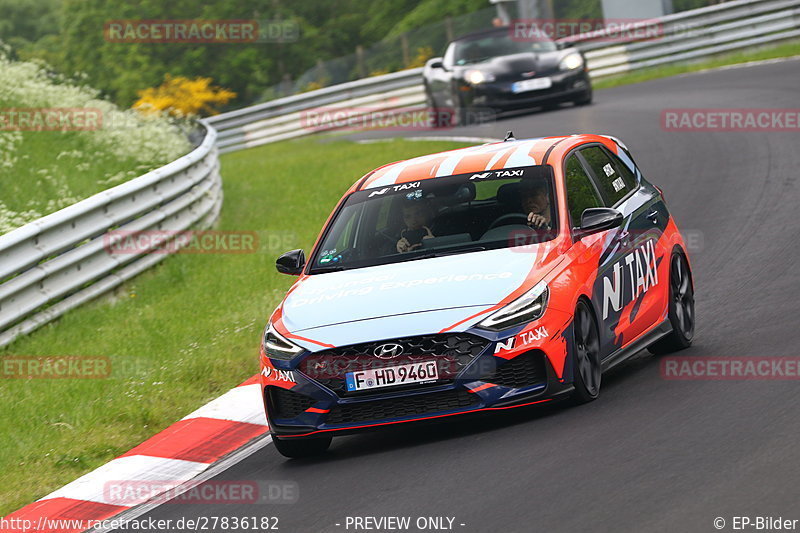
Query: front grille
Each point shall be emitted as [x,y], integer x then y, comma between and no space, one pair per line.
[522,371]
[419,404]
[452,352]
[288,404]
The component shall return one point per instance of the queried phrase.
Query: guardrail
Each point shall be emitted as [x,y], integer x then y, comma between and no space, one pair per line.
[60,261]
[696,34]
[280,119]
[685,36]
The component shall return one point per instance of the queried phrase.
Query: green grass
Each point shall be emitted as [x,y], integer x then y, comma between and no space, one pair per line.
[51,165]
[44,171]
[180,334]
[773,52]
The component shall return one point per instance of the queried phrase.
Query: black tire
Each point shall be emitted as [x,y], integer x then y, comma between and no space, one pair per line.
[585,99]
[461,115]
[681,308]
[299,447]
[440,118]
[587,369]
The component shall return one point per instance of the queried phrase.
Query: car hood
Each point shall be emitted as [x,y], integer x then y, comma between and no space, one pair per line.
[441,292]
[519,63]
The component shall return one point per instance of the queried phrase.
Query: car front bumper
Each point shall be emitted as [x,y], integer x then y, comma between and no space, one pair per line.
[299,406]
[566,86]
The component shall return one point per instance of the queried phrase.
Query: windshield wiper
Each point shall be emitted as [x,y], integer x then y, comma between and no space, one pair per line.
[326,269]
[443,253]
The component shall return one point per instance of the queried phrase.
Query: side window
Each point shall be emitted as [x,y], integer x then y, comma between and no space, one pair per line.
[580,192]
[614,178]
[345,240]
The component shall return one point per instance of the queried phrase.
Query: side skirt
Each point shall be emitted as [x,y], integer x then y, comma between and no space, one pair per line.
[637,345]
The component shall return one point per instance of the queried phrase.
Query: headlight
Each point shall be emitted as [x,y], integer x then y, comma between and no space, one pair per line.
[528,307]
[571,62]
[276,346]
[476,77]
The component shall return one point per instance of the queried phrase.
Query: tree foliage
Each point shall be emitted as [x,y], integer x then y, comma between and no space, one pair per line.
[68,34]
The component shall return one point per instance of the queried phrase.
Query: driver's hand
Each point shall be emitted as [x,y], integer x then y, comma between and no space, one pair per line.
[537,221]
[404,246]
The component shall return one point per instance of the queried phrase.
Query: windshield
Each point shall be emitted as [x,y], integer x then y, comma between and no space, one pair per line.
[486,47]
[441,216]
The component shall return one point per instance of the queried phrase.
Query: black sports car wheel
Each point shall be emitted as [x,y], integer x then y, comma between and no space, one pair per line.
[585,99]
[681,308]
[440,117]
[587,369]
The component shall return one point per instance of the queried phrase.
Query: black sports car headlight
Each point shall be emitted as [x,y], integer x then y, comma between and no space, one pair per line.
[571,61]
[476,77]
[527,308]
[276,346]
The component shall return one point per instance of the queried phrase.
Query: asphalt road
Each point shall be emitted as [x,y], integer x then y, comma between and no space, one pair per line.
[650,454]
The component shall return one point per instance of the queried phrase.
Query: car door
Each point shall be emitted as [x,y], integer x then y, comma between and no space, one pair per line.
[631,299]
[597,254]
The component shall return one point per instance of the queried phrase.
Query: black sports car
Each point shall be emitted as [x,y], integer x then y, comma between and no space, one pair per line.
[492,71]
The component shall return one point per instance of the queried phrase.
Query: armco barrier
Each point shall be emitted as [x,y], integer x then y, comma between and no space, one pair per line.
[279,119]
[695,35]
[686,36]
[58,262]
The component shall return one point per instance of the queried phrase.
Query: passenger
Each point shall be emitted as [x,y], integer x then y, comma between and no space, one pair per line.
[536,203]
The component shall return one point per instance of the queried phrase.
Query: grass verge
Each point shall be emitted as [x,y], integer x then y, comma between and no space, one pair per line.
[43,171]
[788,49]
[180,334]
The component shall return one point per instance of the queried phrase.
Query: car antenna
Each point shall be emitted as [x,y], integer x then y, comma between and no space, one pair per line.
[509,136]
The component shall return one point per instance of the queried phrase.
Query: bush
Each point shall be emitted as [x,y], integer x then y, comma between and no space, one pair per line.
[182,97]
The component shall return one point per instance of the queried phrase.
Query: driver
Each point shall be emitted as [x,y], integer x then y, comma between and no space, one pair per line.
[417,218]
[536,203]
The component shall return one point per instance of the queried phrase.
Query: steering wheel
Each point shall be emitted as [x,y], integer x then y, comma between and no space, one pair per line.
[390,238]
[503,220]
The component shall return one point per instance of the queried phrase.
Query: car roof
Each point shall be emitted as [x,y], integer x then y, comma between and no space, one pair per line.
[491,156]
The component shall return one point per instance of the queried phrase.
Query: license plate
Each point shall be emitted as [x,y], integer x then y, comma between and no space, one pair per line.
[375,378]
[536,84]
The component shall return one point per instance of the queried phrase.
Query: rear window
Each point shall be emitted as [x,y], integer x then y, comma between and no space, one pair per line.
[614,178]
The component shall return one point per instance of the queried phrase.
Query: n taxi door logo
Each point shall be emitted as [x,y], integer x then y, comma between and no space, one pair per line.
[632,276]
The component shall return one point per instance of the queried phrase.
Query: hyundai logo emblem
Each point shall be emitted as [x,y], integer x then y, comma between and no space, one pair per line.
[388,351]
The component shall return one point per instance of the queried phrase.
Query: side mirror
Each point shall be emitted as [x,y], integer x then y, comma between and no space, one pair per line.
[291,262]
[598,219]
[435,62]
